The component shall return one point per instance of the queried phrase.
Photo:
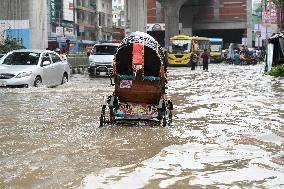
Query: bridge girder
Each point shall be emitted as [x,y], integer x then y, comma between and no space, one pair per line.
[173,14]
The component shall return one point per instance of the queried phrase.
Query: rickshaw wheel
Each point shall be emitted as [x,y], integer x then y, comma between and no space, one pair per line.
[164,121]
[102,117]
[167,118]
[170,117]
[101,121]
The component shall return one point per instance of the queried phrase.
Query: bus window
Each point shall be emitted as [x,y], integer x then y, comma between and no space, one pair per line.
[201,45]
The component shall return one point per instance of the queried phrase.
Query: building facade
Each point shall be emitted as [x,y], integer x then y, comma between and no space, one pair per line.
[118,13]
[104,8]
[80,21]
[118,19]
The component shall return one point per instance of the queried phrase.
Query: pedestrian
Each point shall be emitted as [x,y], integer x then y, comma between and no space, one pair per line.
[66,48]
[236,58]
[205,59]
[193,61]
[242,57]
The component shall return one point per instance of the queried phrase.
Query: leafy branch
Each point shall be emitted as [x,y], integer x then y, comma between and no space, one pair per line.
[9,45]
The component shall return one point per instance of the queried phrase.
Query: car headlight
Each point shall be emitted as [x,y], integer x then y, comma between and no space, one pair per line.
[92,63]
[24,74]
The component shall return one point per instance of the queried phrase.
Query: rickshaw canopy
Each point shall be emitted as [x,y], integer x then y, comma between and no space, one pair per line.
[139,53]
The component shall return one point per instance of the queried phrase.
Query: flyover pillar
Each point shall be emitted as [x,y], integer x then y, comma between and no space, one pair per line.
[249,24]
[171,9]
[136,16]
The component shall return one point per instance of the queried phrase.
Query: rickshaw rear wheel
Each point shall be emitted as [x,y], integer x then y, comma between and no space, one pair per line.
[102,117]
[164,121]
[101,121]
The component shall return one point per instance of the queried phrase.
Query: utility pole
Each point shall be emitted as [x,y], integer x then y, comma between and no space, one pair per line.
[249,23]
[282,17]
[74,18]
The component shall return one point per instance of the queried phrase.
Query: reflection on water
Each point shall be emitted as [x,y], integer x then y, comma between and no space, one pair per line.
[227,133]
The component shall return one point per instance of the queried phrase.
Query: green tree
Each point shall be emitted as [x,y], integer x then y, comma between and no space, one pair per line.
[9,45]
[278,2]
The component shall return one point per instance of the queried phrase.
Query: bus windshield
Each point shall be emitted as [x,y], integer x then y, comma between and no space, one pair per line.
[216,44]
[180,46]
[215,48]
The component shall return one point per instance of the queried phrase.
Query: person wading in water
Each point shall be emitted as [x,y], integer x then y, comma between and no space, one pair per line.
[205,57]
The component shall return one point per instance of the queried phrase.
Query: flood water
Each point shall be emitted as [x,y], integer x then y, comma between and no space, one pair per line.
[227,132]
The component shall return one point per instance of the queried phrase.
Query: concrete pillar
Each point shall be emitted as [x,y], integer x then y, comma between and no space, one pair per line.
[171,9]
[38,23]
[186,31]
[136,15]
[216,10]
[186,15]
[249,23]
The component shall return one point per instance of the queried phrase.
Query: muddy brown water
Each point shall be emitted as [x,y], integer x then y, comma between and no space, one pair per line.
[228,132]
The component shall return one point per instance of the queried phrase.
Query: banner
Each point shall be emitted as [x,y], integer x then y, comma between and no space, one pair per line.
[270,13]
[68,13]
[53,9]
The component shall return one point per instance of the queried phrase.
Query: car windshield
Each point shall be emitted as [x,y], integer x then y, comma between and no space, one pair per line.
[104,50]
[21,58]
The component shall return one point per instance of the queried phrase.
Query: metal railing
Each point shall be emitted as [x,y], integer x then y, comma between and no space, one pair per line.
[79,63]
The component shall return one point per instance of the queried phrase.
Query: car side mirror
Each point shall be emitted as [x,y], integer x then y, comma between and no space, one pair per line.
[88,53]
[46,63]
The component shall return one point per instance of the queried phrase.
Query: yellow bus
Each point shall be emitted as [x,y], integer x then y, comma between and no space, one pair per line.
[182,48]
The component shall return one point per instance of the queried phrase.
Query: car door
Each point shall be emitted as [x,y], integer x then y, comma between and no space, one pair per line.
[47,73]
[58,68]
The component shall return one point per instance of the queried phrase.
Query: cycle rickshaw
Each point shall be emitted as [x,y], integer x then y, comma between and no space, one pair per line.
[140,78]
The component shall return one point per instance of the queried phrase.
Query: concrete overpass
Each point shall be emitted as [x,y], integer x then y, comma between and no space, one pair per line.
[189,13]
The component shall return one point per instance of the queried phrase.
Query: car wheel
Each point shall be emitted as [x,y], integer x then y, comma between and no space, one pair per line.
[64,78]
[37,81]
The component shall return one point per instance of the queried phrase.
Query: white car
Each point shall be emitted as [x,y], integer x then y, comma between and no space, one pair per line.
[29,67]
[101,58]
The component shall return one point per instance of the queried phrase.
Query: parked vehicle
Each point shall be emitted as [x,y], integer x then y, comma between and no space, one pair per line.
[216,45]
[29,67]
[101,58]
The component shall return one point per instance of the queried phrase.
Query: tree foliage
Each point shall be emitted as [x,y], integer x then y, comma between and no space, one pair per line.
[9,45]
[279,2]
[277,71]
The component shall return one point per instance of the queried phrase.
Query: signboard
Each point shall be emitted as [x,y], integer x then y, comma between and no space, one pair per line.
[244,41]
[53,11]
[159,26]
[52,39]
[270,14]
[68,13]
[69,31]
[59,31]
[15,25]
[258,41]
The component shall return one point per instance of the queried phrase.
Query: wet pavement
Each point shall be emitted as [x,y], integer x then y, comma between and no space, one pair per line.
[228,132]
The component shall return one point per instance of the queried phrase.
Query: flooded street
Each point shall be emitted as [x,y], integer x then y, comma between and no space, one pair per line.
[227,132]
